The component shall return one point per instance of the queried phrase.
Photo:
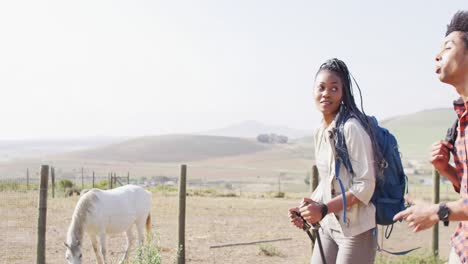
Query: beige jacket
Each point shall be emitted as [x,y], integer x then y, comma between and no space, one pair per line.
[361,216]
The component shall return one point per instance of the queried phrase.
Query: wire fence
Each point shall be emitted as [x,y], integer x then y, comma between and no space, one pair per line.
[18,211]
[19,197]
[237,180]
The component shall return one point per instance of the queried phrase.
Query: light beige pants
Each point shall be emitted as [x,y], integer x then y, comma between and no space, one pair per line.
[453,257]
[359,249]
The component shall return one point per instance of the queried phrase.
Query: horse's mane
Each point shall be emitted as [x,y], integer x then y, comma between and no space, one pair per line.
[84,206]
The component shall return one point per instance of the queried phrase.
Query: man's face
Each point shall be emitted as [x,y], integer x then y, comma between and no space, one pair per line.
[452,60]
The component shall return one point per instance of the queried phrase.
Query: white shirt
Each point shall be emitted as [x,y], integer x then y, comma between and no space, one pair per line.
[361,216]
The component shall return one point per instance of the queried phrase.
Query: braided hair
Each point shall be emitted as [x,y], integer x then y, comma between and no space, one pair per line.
[348,108]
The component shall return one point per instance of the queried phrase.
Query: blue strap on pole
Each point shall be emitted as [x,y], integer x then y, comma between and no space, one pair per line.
[401,253]
[343,192]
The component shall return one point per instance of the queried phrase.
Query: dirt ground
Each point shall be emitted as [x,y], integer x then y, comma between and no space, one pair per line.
[210,221]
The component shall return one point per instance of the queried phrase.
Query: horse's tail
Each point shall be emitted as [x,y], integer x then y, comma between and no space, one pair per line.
[148,226]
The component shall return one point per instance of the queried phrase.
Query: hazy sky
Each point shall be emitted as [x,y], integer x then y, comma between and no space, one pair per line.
[128,68]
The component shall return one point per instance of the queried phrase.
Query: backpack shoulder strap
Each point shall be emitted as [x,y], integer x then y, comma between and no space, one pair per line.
[452,133]
[343,191]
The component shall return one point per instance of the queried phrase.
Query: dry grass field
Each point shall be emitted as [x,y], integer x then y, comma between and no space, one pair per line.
[249,173]
[210,221]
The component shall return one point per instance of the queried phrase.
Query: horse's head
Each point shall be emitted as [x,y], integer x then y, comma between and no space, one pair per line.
[73,253]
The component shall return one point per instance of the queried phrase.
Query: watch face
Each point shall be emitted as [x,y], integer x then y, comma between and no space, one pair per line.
[443,212]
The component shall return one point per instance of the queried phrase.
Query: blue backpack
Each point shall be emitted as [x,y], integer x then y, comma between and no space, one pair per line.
[390,188]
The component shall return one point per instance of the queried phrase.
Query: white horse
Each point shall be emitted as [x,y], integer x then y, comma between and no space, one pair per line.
[112,211]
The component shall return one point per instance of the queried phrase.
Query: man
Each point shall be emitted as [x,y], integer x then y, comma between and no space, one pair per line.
[451,68]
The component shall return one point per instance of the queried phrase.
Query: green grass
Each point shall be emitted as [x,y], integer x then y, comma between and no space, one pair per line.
[210,193]
[417,132]
[17,187]
[163,189]
[148,253]
[268,250]
[410,259]
[274,194]
[424,192]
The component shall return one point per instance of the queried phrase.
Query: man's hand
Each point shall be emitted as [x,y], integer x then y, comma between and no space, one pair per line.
[440,155]
[419,216]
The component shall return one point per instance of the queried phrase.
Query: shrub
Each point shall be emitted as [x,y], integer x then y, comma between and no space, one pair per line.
[268,250]
[148,253]
[65,184]
[104,184]
[10,186]
[275,194]
[164,188]
[203,192]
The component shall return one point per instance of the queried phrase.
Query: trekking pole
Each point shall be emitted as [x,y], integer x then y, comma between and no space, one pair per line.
[315,227]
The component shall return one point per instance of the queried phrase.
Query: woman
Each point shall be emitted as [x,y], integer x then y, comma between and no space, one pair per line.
[352,241]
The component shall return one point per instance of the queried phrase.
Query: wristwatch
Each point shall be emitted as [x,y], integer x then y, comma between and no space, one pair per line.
[324,210]
[443,213]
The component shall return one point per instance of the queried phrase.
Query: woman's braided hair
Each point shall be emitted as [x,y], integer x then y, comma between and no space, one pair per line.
[349,108]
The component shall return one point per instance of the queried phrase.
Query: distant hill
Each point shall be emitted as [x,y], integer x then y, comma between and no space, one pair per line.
[417,132]
[20,149]
[172,148]
[251,129]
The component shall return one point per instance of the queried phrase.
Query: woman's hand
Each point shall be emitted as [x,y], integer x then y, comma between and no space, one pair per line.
[311,210]
[297,221]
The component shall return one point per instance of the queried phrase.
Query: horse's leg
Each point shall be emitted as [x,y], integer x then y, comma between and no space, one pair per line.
[129,245]
[140,226]
[102,238]
[96,250]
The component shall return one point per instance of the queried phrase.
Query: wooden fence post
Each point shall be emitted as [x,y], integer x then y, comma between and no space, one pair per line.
[313,185]
[279,183]
[435,199]
[82,178]
[93,179]
[128,177]
[41,225]
[52,175]
[181,229]
[27,179]
[314,179]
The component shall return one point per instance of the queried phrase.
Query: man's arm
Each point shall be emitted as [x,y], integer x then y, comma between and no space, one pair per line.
[458,210]
[421,216]
[451,174]
[440,156]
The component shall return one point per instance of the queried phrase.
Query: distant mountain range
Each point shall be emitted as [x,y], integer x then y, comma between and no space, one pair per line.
[251,129]
[14,149]
[415,133]
[172,148]
[418,131]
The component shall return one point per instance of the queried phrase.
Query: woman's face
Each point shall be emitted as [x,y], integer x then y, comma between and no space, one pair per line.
[328,93]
